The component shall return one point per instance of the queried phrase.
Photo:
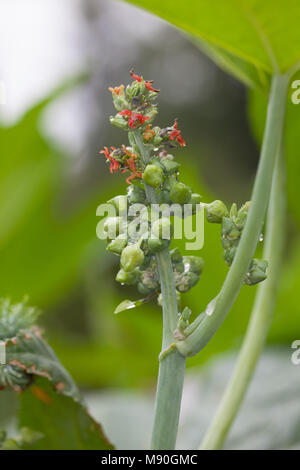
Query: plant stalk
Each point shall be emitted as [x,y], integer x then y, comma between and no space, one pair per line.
[261,316]
[252,231]
[172,366]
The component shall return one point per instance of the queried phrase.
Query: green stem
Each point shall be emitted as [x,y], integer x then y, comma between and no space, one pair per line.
[172,366]
[251,233]
[261,315]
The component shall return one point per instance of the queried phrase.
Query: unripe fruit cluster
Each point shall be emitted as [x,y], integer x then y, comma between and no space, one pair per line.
[233,223]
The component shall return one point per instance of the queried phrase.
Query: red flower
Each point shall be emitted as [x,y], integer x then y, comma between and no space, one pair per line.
[148,83]
[114,164]
[134,118]
[130,163]
[134,76]
[176,135]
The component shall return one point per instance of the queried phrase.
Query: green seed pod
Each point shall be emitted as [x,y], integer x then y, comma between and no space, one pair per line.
[136,195]
[132,257]
[195,264]
[156,244]
[153,175]
[162,228]
[120,204]
[117,246]
[180,193]
[215,211]
[125,277]
[164,197]
[113,226]
[169,166]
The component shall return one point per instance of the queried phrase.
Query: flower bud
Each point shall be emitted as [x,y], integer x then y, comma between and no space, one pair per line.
[164,197]
[242,215]
[257,272]
[169,166]
[144,290]
[156,244]
[117,246]
[195,198]
[153,175]
[118,121]
[113,226]
[176,256]
[233,210]
[136,194]
[162,228]
[194,264]
[229,255]
[186,281]
[180,193]
[132,256]
[215,211]
[125,277]
[120,203]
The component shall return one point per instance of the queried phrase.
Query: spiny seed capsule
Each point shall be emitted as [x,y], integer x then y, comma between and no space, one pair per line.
[215,211]
[117,246]
[162,228]
[129,278]
[136,195]
[132,257]
[153,175]
[180,193]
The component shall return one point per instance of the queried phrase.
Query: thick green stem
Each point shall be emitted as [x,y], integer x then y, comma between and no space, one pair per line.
[261,315]
[251,233]
[172,366]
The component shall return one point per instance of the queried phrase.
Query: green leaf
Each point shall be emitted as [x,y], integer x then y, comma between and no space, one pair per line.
[251,37]
[51,407]
[64,422]
[257,113]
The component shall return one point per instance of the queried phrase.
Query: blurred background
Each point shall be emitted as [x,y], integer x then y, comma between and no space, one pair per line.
[57,60]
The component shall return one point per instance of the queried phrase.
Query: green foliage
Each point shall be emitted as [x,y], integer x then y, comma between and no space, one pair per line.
[249,38]
[50,403]
[35,237]
[64,422]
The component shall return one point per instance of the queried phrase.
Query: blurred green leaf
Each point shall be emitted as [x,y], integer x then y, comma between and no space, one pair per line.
[41,248]
[250,39]
[64,423]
